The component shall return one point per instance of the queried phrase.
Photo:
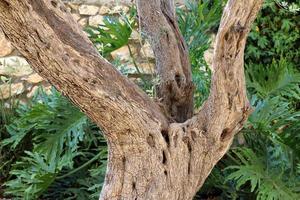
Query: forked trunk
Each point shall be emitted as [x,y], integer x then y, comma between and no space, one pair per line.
[172,164]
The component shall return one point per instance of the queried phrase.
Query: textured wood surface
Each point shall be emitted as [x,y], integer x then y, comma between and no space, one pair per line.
[154,152]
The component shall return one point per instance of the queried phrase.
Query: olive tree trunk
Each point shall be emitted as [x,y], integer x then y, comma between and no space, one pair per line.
[158,150]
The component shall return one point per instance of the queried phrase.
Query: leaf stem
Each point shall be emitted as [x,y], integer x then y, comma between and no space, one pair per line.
[81,167]
[136,66]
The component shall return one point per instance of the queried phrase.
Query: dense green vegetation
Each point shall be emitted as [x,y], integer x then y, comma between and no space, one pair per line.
[50,150]
[49,142]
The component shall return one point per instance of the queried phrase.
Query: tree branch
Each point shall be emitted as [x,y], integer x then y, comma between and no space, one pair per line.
[175,90]
[55,46]
[227,107]
[198,144]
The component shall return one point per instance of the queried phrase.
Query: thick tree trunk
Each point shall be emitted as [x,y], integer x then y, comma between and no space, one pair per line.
[153,153]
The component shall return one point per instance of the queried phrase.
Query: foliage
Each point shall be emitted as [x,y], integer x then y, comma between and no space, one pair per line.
[276,78]
[7,107]
[196,26]
[114,33]
[58,136]
[275,34]
[252,168]
[7,115]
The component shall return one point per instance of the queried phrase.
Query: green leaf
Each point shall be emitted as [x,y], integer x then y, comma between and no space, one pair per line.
[56,128]
[113,34]
[267,186]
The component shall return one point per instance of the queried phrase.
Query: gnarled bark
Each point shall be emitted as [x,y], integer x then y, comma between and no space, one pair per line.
[149,156]
[175,90]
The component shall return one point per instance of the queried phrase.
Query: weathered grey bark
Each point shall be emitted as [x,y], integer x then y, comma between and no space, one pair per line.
[149,156]
[175,90]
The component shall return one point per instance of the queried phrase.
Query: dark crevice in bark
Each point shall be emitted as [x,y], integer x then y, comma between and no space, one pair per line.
[5,3]
[189,146]
[187,141]
[189,166]
[164,157]
[225,134]
[204,129]
[124,161]
[229,97]
[166,172]
[226,36]
[178,80]
[193,135]
[93,81]
[166,137]
[133,186]
[150,141]
[175,138]
[53,3]
[167,36]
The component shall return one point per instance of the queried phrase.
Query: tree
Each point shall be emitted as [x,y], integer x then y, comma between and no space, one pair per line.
[158,149]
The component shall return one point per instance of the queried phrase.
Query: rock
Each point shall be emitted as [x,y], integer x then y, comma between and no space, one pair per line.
[135,35]
[73,7]
[83,22]
[119,9]
[14,67]
[146,51]
[96,20]
[33,79]
[147,68]
[11,90]
[5,46]
[104,10]
[180,2]
[123,53]
[88,10]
